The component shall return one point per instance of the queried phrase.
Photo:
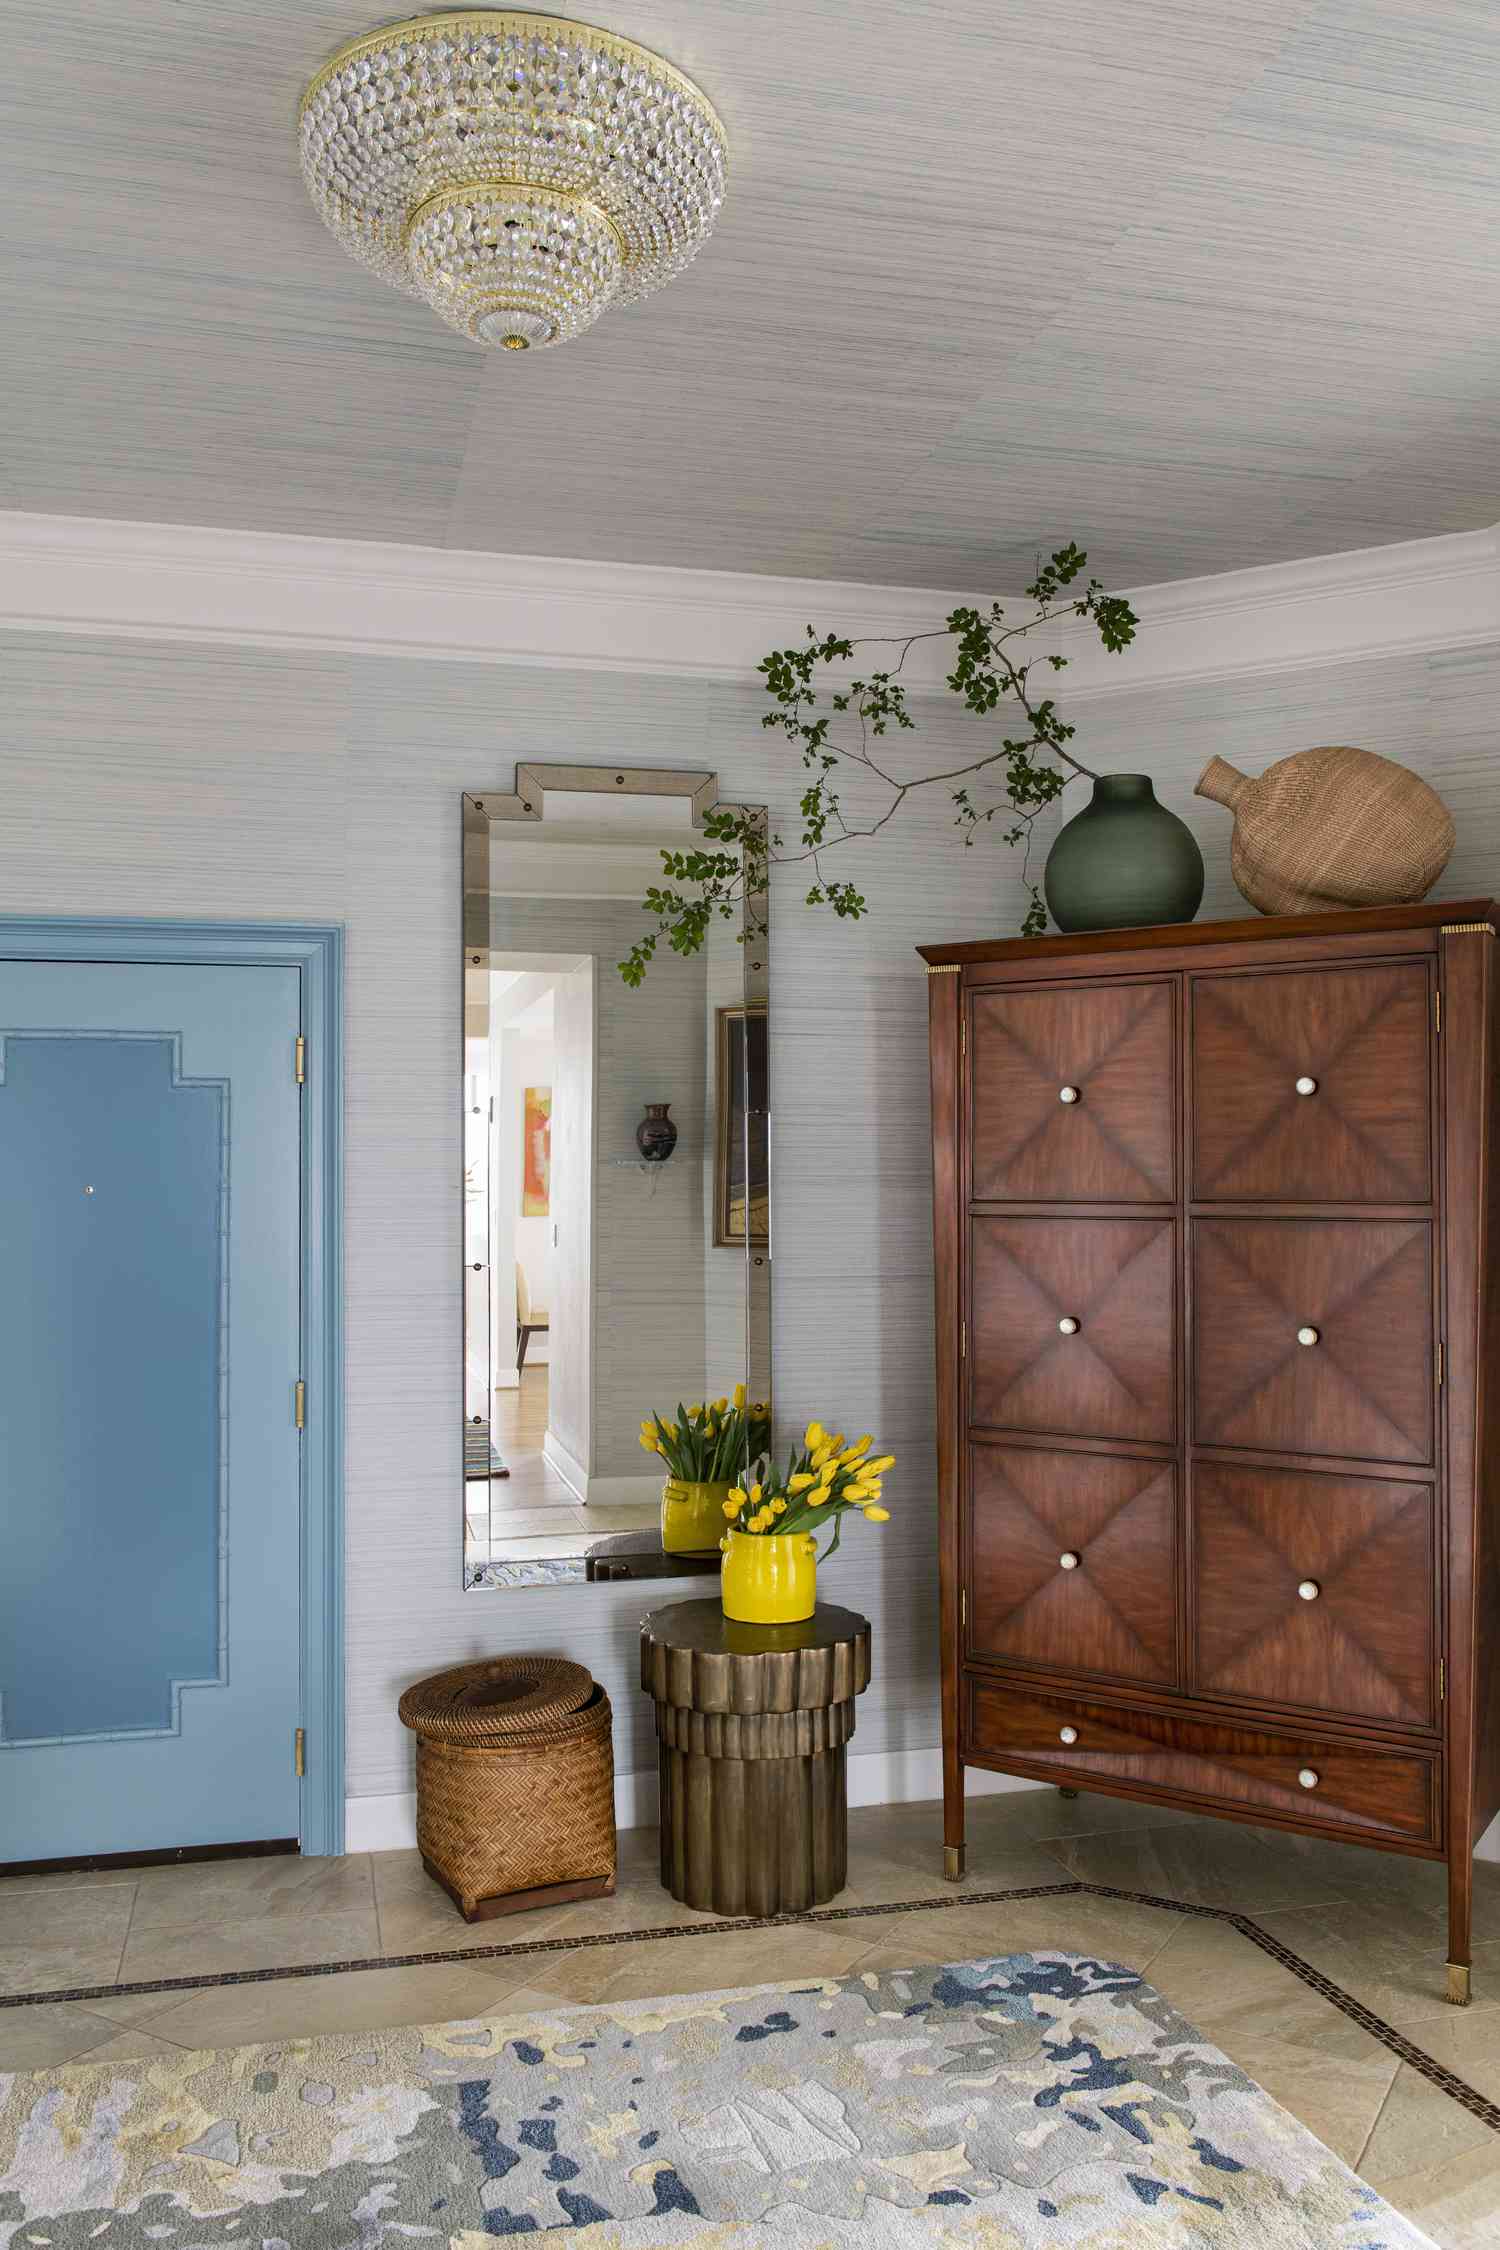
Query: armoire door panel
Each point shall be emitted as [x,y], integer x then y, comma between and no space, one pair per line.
[1072,1326]
[1313,1085]
[1314,1336]
[1315,1590]
[1070,1560]
[1073,1094]
[1316,1781]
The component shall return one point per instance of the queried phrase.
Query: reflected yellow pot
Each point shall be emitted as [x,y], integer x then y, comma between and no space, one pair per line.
[692,1517]
[769,1577]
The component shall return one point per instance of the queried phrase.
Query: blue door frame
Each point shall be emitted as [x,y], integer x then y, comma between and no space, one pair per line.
[316,951]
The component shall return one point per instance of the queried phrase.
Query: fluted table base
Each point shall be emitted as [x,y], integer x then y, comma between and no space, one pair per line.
[751,1725]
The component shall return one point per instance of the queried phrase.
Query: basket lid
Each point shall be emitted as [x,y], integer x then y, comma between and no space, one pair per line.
[498,1697]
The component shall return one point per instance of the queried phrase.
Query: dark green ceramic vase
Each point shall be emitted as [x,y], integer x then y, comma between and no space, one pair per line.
[1123,862]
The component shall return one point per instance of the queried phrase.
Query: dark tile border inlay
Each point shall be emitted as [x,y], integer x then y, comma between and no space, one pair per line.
[1468,2097]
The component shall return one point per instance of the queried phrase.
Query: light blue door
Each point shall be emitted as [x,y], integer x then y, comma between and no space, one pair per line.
[149,1456]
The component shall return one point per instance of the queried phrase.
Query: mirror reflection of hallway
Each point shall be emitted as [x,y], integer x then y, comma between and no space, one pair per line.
[601,1287]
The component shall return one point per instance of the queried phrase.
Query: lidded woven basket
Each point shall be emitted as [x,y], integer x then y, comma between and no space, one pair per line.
[515,1783]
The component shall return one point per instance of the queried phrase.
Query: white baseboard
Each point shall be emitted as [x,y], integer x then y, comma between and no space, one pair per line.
[876,1777]
[599,1492]
[624,1492]
[573,1473]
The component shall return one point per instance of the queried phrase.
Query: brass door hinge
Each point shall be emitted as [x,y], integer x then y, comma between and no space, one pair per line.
[1437,1013]
[963,1339]
[299,1404]
[299,1752]
[963,1035]
[1440,1365]
[1442,1680]
[300,1060]
[963,1610]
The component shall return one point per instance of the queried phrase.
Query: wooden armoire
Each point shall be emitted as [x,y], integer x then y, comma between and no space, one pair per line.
[1216,1353]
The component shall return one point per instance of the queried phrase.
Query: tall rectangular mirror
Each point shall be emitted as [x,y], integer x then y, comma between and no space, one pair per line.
[616,1184]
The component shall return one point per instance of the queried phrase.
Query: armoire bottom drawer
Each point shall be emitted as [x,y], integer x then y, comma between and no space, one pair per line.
[1321,1782]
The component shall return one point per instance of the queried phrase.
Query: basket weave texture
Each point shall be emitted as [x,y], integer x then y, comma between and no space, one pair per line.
[515,1777]
[1331,827]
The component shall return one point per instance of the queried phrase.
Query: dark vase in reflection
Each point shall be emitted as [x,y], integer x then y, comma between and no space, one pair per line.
[656,1135]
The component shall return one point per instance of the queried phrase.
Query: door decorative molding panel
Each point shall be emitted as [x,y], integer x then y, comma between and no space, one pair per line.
[176,1372]
[1219,1511]
[172,1486]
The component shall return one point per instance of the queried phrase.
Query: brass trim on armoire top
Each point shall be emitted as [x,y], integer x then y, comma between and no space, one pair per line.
[1219,1519]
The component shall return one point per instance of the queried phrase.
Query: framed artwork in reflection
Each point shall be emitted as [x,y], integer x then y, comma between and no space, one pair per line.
[536,1152]
[742,1153]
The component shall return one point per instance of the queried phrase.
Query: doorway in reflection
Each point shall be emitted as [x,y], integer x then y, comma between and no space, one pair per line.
[605,1281]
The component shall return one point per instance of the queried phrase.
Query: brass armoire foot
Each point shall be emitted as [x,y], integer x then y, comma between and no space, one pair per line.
[953,1863]
[1459,1979]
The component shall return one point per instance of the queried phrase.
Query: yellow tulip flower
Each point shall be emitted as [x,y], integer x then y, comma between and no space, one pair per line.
[877,1515]
[731,1507]
[649,1442]
[860,1445]
[739,1394]
[721,1406]
[816,1435]
[737,1495]
[884,1462]
[755,1491]
[801,1481]
[816,1499]
[778,1507]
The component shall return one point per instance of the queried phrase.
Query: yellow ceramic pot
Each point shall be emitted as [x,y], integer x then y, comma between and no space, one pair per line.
[692,1517]
[769,1577]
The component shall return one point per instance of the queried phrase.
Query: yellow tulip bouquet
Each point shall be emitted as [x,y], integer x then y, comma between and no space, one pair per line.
[711,1443]
[823,1482]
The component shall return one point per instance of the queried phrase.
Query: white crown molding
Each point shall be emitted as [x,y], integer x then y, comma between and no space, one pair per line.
[106,578]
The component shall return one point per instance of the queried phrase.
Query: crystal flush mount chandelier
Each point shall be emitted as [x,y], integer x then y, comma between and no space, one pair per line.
[520,172]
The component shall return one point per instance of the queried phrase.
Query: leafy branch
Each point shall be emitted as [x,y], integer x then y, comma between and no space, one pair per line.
[1030,768]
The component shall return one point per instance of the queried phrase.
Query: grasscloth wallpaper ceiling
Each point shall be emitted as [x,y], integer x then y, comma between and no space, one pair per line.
[1202,286]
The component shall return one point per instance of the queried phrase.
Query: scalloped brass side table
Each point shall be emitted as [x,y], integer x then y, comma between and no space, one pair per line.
[751,1723]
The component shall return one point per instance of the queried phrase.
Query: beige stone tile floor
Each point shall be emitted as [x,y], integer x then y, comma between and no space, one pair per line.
[1371,1922]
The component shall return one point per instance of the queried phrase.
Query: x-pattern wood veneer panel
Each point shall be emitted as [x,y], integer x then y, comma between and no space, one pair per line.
[1114,1047]
[1112,1378]
[1361,1034]
[1363,1644]
[1363,1389]
[1113,1610]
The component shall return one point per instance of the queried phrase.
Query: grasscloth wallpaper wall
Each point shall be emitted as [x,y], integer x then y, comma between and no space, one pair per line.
[181,780]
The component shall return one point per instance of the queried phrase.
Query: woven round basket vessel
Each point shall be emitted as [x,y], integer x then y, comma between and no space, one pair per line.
[515,1783]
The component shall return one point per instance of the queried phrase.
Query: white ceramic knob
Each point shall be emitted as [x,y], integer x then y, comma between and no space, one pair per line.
[1067,1734]
[1067,1093]
[1067,1326]
[1309,1590]
[1069,1561]
[1307,1085]
[1308,1778]
[1307,1335]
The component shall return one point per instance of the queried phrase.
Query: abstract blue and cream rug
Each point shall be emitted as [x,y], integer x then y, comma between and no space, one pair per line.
[1044,2099]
